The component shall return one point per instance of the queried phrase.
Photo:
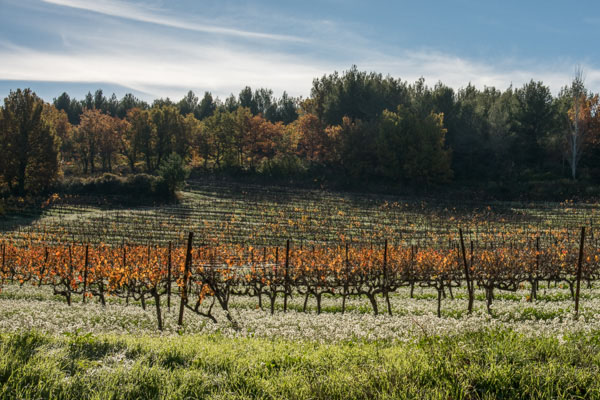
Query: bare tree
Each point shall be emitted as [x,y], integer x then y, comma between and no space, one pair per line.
[577,128]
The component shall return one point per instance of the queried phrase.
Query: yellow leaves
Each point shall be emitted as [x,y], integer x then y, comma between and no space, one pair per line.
[496,254]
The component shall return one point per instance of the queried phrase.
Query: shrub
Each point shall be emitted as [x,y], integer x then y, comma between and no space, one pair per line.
[284,166]
[173,173]
[142,183]
[138,185]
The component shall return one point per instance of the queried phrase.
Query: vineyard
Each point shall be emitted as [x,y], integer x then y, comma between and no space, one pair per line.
[247,263]
[268,216]
[213,273]
[309,248]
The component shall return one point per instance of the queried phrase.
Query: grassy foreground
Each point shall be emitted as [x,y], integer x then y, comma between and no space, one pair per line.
[486,364]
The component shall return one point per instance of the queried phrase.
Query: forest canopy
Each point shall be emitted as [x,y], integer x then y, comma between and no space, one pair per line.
[354,126]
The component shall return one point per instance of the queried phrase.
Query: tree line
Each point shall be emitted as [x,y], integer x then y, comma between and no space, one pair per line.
[355,126]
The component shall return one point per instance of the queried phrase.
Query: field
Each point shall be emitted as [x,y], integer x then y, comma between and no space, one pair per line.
[300,294]
[268,216]
[523,350]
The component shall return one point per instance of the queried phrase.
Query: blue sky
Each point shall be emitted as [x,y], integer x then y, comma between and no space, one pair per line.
[164,48]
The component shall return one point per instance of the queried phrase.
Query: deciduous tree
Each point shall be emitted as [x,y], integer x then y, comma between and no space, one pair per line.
[412,148]
[28,144]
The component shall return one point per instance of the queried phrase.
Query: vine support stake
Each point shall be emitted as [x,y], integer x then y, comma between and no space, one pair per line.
[169,277]
[385,278]
[346,283]
[3,257]
[186,271]
[287,265]
[579,264]
[85,269]
[467,274]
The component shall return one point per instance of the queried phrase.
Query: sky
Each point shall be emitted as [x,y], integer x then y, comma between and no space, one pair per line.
[165,48]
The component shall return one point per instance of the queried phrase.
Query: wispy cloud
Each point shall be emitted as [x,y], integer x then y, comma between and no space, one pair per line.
[166,63]
[217,69]
[457,72]
[227,70]
[141,13]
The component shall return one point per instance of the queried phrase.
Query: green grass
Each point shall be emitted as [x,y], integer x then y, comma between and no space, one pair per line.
[486,364]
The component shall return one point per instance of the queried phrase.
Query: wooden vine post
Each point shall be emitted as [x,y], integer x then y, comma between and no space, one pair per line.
[169,277]
[286,284]
[579,267]
[3,260]
[70,280]
[347,278]
[385,277]
[44,266]
[85,269]
[467,273]
[124,266]
[186,271]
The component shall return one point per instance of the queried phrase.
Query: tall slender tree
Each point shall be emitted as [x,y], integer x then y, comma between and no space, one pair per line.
[28,144]
[577,127]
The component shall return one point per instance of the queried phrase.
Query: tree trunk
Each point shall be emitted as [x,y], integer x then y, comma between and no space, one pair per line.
[158,314]
[305,301]
[272,298]
[373,301]
[439,300]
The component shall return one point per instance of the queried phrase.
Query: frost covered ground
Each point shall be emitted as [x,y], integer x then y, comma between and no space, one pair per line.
[31,308]
[86,351]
